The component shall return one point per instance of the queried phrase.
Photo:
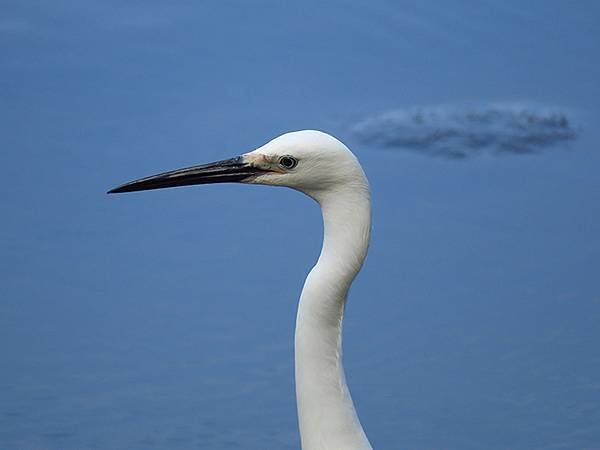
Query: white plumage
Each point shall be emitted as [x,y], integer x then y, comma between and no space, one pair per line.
[323,168]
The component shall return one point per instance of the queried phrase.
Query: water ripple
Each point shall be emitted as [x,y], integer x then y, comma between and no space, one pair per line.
[459,132]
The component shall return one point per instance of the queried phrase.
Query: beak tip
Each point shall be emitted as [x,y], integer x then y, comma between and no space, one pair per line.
[116,190]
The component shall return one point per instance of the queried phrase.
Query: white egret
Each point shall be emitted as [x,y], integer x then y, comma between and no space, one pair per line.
[323,168]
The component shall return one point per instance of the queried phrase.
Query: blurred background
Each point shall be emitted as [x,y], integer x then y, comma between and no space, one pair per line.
[164,320]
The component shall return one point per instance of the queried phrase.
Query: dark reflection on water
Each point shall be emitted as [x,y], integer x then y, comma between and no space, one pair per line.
[460,132]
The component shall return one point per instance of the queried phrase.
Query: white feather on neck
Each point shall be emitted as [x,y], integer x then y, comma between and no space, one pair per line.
[327,418]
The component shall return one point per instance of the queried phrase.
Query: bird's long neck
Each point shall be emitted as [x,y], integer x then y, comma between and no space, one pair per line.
[326,413]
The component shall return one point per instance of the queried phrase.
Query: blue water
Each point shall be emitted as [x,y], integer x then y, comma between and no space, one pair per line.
[164,320]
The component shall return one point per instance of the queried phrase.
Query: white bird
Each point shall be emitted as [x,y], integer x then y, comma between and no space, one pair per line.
[323,168]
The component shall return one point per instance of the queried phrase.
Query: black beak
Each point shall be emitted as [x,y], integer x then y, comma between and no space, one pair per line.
[226,171]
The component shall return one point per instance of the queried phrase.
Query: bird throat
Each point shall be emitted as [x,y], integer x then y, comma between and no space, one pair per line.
[326,413]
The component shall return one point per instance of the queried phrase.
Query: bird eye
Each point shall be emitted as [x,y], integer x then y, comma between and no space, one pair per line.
[288,162]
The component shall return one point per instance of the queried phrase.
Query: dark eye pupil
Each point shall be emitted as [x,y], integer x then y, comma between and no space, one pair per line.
[287,162]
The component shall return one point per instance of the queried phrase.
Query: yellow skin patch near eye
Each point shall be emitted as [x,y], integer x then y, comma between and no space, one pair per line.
[266,162]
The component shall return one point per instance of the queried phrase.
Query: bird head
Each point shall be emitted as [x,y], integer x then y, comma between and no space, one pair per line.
[309,161]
